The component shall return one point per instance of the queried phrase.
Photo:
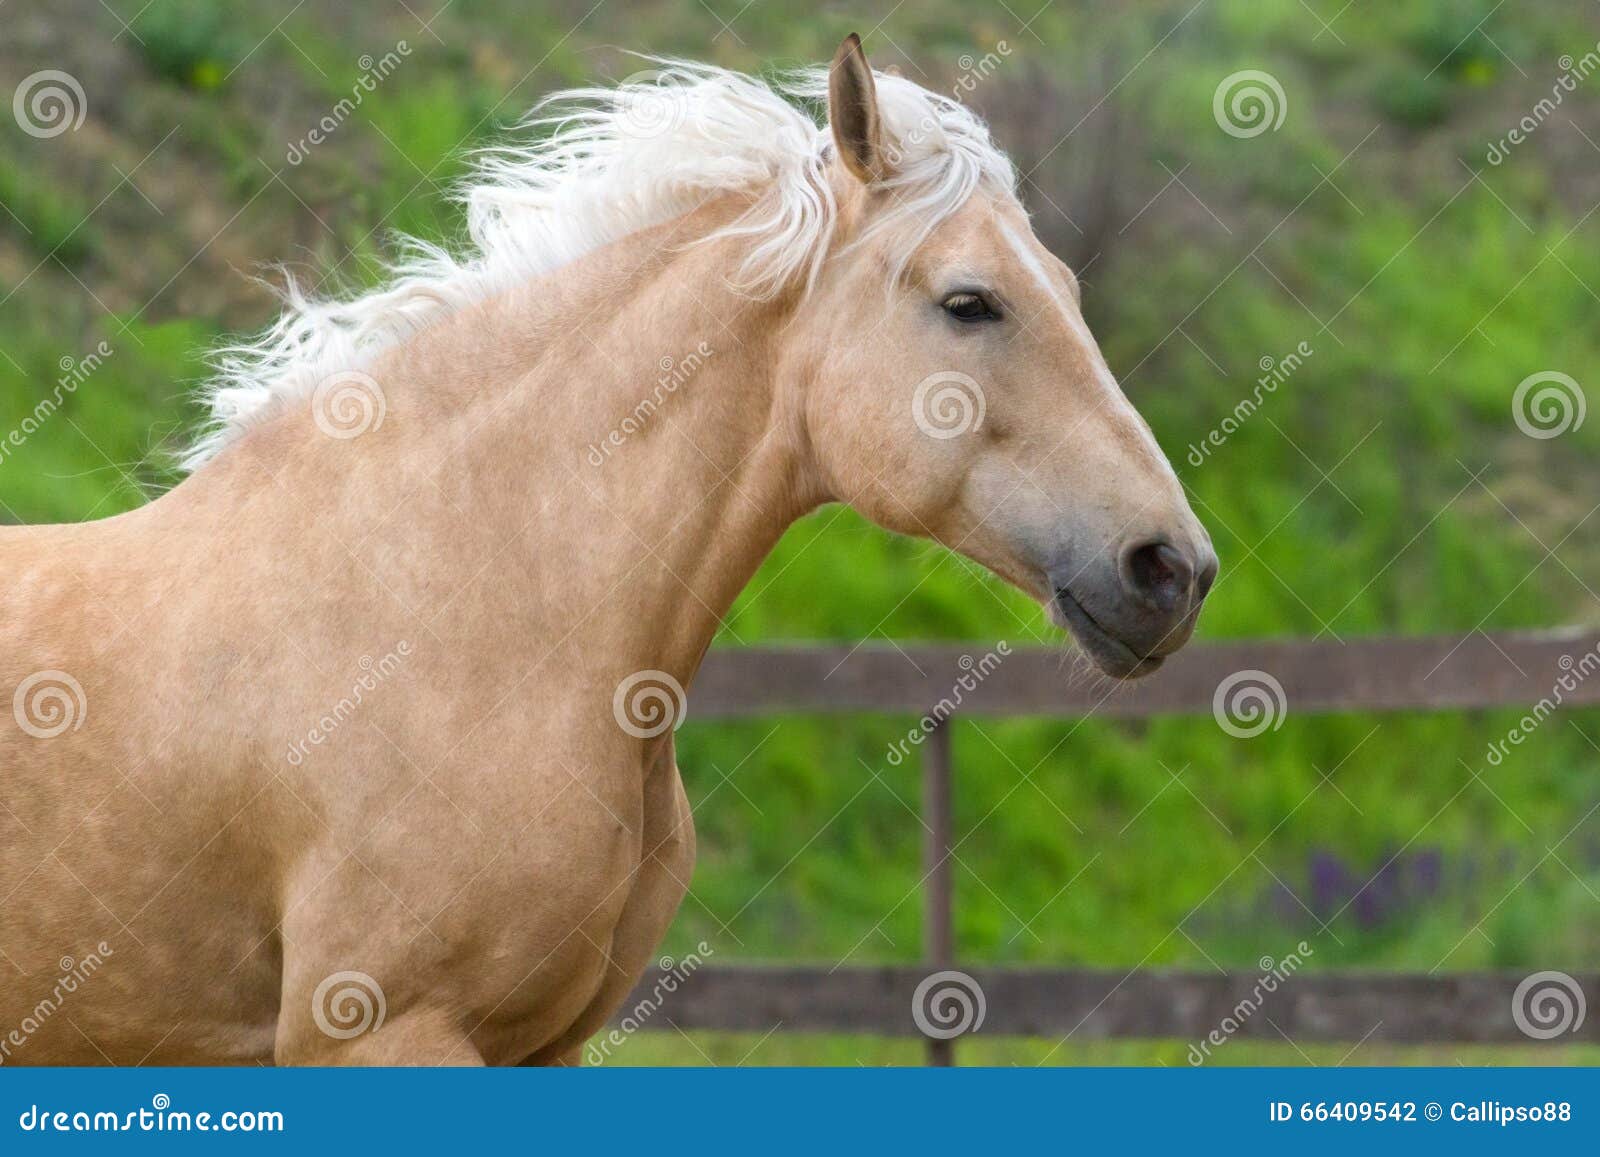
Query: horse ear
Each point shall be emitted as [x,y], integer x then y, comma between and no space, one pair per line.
[853,111]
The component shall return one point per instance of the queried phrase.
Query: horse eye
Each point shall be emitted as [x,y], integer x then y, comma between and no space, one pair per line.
[968,307]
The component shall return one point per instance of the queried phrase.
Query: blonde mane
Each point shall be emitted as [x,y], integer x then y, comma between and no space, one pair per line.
[604,163]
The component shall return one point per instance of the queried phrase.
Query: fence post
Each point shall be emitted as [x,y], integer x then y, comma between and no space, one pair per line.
[938,925]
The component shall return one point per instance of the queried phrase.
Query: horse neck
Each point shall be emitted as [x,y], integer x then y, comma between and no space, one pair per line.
[617,432]
[677,452]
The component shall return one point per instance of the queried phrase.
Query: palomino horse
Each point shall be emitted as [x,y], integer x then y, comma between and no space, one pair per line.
[356,746]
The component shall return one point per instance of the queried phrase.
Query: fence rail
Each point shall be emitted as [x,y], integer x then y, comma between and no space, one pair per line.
[1426,673]
[1096,1004]
[1435,673]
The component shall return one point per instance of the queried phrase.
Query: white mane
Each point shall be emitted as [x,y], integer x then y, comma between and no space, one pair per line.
[606,163]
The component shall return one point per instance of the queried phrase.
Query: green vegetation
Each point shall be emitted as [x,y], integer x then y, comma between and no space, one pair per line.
[50,223]
[189,42]
[1382,487]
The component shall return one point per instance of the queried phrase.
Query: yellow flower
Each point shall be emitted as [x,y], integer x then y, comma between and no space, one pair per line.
[206,75]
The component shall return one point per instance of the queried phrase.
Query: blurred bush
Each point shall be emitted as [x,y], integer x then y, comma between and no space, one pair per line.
[189,42]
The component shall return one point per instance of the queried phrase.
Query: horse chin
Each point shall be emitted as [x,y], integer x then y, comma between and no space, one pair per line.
[1110,655]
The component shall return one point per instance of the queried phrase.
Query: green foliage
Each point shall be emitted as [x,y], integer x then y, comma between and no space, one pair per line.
[49,218]
[194,43]
[1414,99]
[96,420]
[1444,35]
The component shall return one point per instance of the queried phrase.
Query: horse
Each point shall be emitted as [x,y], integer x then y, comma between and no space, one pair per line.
[356,745]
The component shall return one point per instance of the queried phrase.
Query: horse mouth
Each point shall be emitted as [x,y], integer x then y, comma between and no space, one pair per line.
[1109,653]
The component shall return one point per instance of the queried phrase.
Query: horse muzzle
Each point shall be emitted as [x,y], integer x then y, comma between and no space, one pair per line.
[1130,617]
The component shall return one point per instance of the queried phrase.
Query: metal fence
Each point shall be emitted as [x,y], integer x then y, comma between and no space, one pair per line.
[1479,670]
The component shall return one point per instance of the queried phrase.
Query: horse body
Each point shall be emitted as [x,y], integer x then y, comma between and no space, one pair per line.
[214,628]
[102,819]
[341,762]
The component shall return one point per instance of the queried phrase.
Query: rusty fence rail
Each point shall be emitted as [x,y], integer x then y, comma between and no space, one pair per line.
[1434,673]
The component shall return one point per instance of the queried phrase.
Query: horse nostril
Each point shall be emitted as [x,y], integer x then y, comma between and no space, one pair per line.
[1159,573]
[1205,577]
